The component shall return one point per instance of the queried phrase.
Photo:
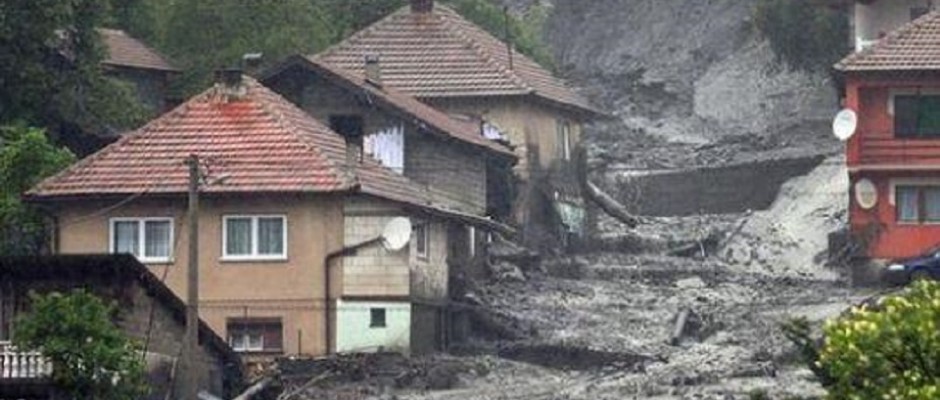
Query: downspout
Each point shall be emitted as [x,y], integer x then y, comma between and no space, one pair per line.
[346,251]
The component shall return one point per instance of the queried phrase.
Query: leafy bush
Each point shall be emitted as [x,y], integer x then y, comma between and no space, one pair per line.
[26,157]
[802,35]
[890,351]
[91,358]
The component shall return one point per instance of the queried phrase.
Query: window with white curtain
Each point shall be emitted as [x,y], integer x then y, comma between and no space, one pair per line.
[387,146]
[254,237]
[148,239]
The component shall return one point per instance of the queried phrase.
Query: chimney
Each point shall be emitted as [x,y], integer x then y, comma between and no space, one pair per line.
[422,6]
[229,82]
[373,70]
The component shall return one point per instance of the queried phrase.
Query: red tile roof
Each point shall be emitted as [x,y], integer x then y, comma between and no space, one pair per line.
[441,54]
[913,47]
[425,115]
[259,141]
[126,51]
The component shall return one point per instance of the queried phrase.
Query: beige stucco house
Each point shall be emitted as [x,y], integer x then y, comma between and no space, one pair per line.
[290,214]
[429,51]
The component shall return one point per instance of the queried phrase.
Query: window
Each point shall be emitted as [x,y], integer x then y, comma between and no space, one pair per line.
[149,239]
[377,318]
[422,240]
[917,116]
[564,140]
[255,335]
[254,238]
[917,204]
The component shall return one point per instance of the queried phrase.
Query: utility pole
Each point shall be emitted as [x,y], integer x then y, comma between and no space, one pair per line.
[191,341]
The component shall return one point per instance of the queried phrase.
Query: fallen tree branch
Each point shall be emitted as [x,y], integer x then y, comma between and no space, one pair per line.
[315,380]
[609,205]
[254,389]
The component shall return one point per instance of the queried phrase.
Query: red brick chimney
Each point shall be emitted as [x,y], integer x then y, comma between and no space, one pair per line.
[422,6]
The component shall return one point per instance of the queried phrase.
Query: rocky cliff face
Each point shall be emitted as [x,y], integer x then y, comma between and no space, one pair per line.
[689,82]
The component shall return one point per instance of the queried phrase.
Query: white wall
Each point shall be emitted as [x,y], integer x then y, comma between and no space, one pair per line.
[353,333]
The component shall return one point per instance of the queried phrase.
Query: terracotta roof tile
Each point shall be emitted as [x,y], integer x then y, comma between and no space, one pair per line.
[913,47]
[259,141]
[441,54]
[126,51]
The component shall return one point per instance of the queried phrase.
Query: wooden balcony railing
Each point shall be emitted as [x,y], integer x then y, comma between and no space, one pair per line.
[22,365]
[885,149]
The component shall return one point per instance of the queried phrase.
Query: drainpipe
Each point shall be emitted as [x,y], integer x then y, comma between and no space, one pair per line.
[344,252]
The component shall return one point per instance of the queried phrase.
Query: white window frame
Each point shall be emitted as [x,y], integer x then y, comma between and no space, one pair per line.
[246,338]
[254,256]
[142,232]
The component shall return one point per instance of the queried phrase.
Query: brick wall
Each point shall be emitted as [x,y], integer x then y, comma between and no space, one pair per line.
[455,173]
[372,271]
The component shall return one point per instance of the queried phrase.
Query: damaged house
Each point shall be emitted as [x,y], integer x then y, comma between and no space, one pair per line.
[894,156]
[291,218]
[429,51]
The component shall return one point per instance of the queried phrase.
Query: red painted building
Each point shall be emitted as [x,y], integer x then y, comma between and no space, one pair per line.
[894,157]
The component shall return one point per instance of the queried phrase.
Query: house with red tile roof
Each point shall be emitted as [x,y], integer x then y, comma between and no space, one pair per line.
[429,51]
[894,156]
[291,213]
[450,156]
[133,61]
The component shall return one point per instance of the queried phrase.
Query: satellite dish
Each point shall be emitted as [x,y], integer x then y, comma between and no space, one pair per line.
[866,194]
[845,124]
[396,234]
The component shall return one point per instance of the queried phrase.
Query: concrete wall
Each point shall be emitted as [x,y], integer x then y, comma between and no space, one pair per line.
[531,127]
[729,189]
[291,290]
[354,333]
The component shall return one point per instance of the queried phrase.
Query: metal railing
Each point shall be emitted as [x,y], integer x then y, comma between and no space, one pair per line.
[16,364]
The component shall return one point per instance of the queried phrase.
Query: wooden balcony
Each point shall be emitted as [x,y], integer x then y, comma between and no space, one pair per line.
[19,365]
[885,151]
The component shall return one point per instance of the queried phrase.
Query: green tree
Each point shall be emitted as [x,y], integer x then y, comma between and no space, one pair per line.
[91,358]
[50,74]
[803,35]
[889,351]
[26,157]
[204,35]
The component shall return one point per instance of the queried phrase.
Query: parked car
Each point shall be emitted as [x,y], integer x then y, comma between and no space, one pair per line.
[926,266]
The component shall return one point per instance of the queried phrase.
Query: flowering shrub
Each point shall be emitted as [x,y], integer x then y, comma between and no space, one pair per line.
[888,351]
